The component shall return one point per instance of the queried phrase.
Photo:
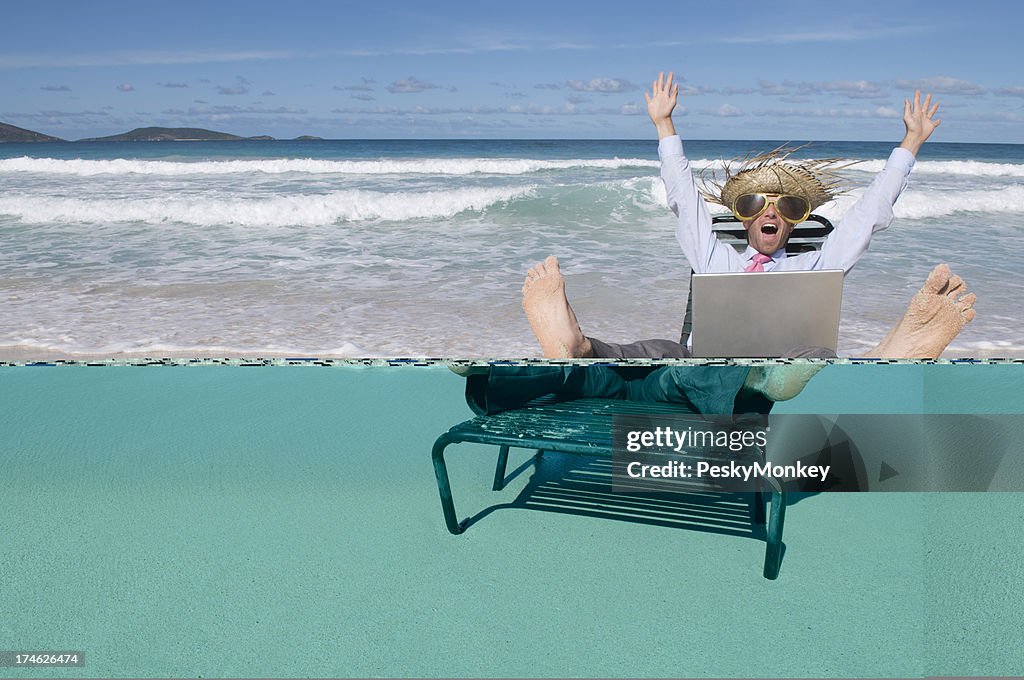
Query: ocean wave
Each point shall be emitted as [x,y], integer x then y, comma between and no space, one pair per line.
[308,210]
[958,168]
[873,166]
[925,204]
[422,166]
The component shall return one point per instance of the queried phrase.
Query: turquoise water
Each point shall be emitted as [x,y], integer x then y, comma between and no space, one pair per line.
[419,248]
[228,521]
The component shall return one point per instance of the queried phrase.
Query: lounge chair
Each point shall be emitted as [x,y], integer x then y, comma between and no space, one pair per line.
[584,426]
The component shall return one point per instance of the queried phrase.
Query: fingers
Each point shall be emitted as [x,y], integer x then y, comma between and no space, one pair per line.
[663,85]
[906,108]
[931,111]
[917,100]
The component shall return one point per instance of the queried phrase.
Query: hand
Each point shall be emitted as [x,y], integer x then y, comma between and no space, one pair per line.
[660,103]
[919,120]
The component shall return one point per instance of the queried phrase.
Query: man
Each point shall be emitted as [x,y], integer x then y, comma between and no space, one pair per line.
[770,194]
[935,316]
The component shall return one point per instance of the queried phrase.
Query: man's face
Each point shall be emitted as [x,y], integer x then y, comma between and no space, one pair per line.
[768,232]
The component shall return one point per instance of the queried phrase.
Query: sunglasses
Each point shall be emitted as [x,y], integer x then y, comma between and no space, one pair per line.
[793,209]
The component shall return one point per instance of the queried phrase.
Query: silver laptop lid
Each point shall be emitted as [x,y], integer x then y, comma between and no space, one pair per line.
[765,314]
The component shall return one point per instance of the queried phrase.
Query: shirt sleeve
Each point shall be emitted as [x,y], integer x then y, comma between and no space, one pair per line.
[871,213]
[696,238]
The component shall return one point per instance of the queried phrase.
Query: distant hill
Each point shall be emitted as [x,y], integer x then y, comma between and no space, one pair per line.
[162,134]
[308,138]
[10,133]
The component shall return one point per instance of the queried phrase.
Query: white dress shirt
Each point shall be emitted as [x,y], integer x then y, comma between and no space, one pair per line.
[842,248]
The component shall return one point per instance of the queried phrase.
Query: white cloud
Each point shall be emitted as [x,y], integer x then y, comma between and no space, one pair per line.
[602,85]
[942,85]
[724,111]
[829,35]
[125,87]
[410,85]
[224,111]
[877,112]
[15,61]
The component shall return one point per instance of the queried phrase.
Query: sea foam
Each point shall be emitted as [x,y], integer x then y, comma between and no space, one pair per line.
[341,206]
[424,166]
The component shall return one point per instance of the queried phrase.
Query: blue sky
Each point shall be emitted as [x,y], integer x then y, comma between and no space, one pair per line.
[781,70]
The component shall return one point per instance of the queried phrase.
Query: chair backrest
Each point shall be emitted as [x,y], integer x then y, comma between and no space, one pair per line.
[806,236]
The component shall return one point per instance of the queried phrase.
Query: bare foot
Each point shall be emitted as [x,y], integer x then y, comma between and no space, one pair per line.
[551,317]
[936,315]
[779,383]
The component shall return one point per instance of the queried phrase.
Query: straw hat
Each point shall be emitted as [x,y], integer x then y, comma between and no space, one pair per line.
[775,173]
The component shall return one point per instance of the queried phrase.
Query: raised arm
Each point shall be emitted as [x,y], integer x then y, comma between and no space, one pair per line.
[920,122]
[660,103]
[873,212]
[702,249]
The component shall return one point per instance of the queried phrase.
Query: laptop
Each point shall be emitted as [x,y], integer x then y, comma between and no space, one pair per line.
[765,314]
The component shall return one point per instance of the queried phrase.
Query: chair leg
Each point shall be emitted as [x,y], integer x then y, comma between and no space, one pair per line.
[499,470]
[759,503]
[443,486]
[773,552]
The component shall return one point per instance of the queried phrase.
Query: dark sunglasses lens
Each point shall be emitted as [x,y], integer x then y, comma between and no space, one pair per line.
[749,205]
[792,207]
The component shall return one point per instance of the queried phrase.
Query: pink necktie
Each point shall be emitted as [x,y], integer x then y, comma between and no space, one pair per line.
[757,263]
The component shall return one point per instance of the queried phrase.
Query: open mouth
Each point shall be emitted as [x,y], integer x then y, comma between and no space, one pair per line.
[769,228]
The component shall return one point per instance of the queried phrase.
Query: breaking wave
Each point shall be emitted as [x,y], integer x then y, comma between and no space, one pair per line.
[342,206]
[927,204]
[425,166]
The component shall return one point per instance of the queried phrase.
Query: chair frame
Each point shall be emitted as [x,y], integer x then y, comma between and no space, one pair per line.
[584,427]
[547,426]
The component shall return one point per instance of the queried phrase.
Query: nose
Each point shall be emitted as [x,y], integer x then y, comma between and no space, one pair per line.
[770,210]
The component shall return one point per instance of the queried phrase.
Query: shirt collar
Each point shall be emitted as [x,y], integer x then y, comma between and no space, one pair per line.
[777,256]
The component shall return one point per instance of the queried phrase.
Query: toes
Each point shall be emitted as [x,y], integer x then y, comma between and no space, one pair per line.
[937,280]
[548,267]
[967,300]
[955,286]
[966,306]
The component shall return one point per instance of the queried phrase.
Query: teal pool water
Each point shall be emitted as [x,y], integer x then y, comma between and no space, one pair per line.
[225,521]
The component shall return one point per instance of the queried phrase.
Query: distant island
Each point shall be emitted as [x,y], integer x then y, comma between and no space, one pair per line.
[10,133]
